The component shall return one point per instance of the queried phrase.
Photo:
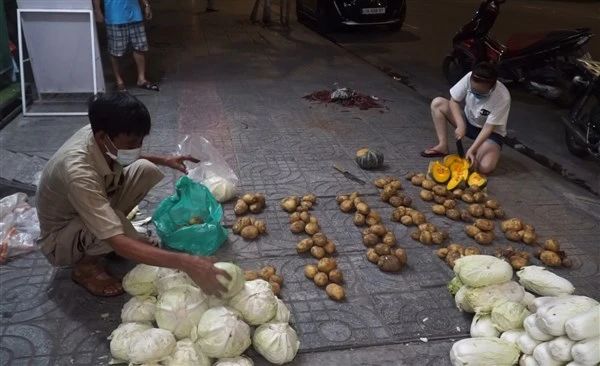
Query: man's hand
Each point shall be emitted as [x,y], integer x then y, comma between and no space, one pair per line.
[99,16]
[471,154]
[202,271]
[148,12]
[460,132]
[178,162]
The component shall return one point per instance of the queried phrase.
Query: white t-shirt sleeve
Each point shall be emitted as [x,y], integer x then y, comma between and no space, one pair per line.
[459,91]
[499,114]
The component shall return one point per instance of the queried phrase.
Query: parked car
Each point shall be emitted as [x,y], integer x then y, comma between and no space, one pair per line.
[332,14]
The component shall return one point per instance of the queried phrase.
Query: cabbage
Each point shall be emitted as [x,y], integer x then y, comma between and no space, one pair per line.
[482,270]
[221,333]
[528,301]
[527,360]
[221,188]
[235,361]
[512,335]
[483,299]
[484,351]
[527,344]
[214,301]
[560,348]
[545,283]
[152,345]
[283,313]
[552,316]
[121,337]
[139,309]
[509,315]
[236,284]
[140,280]
[530,325]
[584,325]
[587,352]
[168,278]
[454,285]
[180,309]
[461,300]
[187,353]
[277,342]
[482,327]
[256,302]
[541,353]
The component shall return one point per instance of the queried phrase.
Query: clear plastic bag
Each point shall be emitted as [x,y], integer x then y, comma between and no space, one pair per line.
[19,227]
[212,171]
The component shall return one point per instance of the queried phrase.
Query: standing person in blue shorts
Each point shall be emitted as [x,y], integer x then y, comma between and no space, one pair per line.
[124,25]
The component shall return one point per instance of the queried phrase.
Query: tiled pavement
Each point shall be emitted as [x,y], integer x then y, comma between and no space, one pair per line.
[240,85]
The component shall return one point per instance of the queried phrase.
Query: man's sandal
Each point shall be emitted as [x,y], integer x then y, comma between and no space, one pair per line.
[432,153]
[96,286]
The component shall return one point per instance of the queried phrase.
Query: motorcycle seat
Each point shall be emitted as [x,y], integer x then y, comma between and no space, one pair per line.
[525,42]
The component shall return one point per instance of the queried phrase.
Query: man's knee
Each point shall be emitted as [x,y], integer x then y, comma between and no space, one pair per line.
[439,103]
[147,171]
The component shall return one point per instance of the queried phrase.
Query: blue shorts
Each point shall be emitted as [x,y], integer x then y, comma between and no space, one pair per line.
[473,132]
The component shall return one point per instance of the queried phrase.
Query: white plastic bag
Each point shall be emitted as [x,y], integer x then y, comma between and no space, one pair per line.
[19,227]
[212,170]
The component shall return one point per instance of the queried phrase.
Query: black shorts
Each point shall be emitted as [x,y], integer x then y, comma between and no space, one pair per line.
[119,36]
[473,132]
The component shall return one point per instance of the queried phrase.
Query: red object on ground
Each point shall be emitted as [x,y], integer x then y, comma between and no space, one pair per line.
[356,99]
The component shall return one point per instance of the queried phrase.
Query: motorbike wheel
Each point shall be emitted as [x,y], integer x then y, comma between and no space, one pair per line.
[573,146]
[454,68]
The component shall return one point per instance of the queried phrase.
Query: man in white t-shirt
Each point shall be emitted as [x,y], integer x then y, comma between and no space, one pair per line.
[484,119]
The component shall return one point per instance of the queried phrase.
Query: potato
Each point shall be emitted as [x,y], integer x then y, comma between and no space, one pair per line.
[417,180]
[445,234]
[458,192]
[528,227]
[401,255]
[347,206]
[310,198]
[567,262]
[406,220]
[249,199]
[382,249]
[310,271]
[311,229]
[378,230]
[250,275]
[358,200]
[451,258]
[314,220]
[511,224]
[255,208]
[552,245]
[304,206]
[453,214]
[341,198]
[425,238]
[381,182]
[249,232]
[321,279]
[336,276]
[372,256]
[479,197]
[439,199]
[484,238]
[396,201]
[362,208]
[372,220]
[261,226]
[418,218]
[275,287]
[512,235]
[370,240]
[438,209]
[389,239]
[296,216]
[237,228]
[407,201]
[428,184]
[304,245]
[319,239]
[523,255]
[484,224]
[277,279]
[335,292]
[475,210]
[442,252]
[326,265]
[240,208]
[330,247]
[389,263]
[465,216]
[260,199]
[390,189]
[437,238]
[297,227]
[415,235]
[366,231]
[396,184]
[397,215]
[493,204]
[529,237]
[518,262]
[428,227]
[550,258]
[439,190]
[472,251]
[317,252]
[385,196]
[374,215]
[456,248]
[305,216]
[289,204]
[267,272]
[426,196]
[467,198]
[499,213]
[449,204]
[472,230]
[537,251]
[245,221]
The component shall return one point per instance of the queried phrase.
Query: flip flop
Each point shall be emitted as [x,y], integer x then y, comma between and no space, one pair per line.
[98,286]
[121,88]
[148,86]
[431,153]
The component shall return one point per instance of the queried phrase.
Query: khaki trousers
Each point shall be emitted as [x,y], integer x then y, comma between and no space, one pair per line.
[69,245]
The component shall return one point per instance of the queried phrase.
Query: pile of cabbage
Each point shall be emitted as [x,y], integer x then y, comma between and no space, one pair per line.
[511,326]
[169,321]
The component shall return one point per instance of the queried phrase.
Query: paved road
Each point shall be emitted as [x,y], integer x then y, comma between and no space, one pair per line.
[417,51]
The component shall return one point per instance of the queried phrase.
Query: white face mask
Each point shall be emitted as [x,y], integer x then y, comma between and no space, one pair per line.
[124,157]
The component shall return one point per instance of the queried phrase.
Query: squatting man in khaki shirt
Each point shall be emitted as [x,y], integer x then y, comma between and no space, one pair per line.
[88,187]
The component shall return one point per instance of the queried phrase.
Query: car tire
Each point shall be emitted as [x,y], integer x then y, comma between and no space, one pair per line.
[397,26]
[323,26]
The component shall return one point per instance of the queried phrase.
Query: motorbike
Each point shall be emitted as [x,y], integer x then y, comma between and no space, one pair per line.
[582,133]
[543,62]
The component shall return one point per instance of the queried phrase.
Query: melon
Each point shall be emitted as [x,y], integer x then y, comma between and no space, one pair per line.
[438,172]
[455,181]
[476,179]
[449,159]
[369,158]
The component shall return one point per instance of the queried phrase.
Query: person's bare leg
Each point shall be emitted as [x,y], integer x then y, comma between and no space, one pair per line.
[114,61]
[140,63]
[441,116]
[487,157]
[94,266]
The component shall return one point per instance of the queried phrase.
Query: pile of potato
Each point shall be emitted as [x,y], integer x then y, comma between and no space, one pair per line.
[516,230]
[429,234]
[269,274]
[517,259]
[408,216]
[455,251]
[298,204]
[319,246]
[482,231]
[389,192]
[551,255]
[327,274]
[249,227]
[250,202]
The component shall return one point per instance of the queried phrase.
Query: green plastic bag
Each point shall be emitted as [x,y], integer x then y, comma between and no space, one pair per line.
[173,215]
